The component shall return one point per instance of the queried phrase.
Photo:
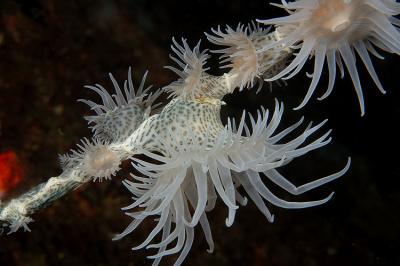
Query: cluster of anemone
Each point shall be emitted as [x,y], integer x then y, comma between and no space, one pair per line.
[117,117]
[192,158]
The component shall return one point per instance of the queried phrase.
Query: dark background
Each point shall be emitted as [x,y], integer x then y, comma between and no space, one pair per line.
[50,49]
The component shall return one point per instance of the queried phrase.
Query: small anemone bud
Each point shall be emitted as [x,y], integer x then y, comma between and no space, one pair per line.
[241,55]
[120,114]
[248,66]
[96,159]
[191,71]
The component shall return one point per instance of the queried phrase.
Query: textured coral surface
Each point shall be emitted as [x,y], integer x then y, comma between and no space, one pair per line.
[50,49]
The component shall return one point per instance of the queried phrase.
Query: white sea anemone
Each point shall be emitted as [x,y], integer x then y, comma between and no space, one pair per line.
[247,65]
[192,70]
[191,173]
[335,30]
[120,114]
[95,159]
[241,54]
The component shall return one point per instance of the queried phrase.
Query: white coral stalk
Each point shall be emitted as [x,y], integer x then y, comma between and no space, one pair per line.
[336,30]
[192,171]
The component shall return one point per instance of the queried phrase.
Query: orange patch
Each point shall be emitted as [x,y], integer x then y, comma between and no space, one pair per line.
[11,171]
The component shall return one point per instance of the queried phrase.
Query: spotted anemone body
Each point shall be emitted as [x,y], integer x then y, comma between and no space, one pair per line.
[335,31]
[180,119]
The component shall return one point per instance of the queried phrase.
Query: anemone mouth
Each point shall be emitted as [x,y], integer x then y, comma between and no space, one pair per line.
[333,15]
[101,162]
[340,26]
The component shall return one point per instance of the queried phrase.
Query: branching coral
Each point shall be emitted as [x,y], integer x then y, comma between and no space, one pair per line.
[192,158]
